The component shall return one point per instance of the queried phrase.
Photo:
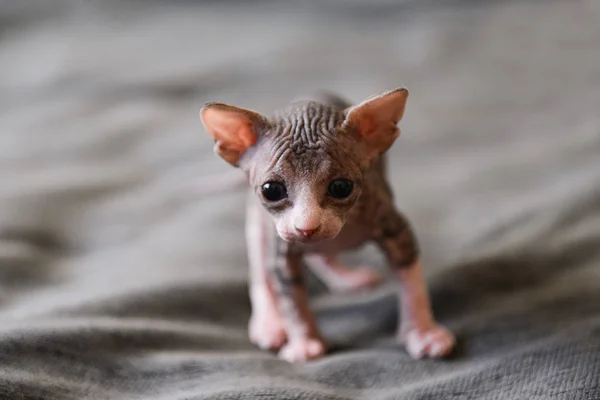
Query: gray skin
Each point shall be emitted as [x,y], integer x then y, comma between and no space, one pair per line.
[302,149]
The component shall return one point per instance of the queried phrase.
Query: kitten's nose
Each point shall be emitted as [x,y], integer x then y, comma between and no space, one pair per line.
[307,232]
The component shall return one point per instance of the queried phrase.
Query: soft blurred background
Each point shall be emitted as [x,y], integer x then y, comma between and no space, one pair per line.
[117,281]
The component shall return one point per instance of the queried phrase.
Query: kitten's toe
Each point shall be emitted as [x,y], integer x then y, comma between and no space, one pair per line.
[304,349]
[435,342]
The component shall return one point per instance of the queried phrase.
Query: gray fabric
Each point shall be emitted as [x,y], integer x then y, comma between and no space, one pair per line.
[116,283]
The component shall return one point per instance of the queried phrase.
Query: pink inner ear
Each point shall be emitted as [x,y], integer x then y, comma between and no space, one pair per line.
[365,122]
[366,125]
[232,130]
[377,113]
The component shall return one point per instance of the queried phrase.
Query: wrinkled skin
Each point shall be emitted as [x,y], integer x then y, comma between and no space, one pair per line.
[316,171]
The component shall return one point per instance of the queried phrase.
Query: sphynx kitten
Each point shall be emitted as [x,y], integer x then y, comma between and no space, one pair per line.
[318,183]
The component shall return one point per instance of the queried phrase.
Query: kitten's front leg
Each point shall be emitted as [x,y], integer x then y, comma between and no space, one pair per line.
[419,331]
[304,340]
[265,326]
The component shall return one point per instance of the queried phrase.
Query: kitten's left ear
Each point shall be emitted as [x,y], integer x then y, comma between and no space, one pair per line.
[375,120]
[234,129]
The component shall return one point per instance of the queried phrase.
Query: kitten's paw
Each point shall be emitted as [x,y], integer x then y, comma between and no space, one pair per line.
[357,279]
[267,332]
[299,350]
[434,342]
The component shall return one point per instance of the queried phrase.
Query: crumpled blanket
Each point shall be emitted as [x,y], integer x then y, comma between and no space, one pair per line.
[119,281]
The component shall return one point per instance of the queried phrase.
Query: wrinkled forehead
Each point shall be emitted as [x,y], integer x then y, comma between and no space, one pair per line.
[307,142]
[314,164]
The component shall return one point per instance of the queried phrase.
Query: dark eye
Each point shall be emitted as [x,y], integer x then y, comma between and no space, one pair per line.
[274,191]
[340,188]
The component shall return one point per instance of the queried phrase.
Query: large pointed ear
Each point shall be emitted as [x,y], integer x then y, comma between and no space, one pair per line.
[375,120]
[233,129]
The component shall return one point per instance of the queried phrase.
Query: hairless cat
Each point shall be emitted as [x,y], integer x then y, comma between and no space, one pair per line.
[317,176]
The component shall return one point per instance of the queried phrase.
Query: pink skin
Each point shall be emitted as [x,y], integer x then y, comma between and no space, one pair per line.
[315,225]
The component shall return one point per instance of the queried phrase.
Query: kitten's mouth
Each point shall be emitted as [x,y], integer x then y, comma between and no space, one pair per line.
[305,239]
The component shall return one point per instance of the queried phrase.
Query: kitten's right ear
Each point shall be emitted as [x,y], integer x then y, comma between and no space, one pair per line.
[233,129]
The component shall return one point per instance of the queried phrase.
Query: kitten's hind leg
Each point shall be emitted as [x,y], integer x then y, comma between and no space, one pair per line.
[339,277]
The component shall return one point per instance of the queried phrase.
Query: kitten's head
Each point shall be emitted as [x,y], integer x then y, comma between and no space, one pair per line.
[306,163]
